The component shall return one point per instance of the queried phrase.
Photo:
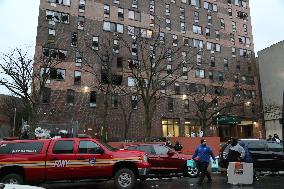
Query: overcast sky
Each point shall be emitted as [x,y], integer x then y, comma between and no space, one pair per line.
[18,23]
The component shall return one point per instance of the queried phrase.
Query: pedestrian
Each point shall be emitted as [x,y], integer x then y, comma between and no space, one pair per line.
[276,138]
[236,152]
[202,156]
[247,157]
[168,143]
[269,138]
[178,147]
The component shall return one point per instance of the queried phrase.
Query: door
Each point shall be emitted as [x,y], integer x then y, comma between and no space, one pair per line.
[166,162]
[152,158]
[276,151]
[92,160]
[60,160]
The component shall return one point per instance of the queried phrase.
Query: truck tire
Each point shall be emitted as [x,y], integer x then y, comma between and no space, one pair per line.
[12,178]
[125,179]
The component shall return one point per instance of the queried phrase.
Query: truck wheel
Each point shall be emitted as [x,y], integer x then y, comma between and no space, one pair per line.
[124,179]
[12,178]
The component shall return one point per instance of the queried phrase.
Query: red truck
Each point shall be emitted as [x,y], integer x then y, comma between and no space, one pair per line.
[37,161]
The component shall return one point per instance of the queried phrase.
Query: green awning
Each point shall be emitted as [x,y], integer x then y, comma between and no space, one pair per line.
[228,120]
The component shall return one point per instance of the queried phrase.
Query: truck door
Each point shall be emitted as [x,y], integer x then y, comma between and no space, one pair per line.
[93,160]
[61,160]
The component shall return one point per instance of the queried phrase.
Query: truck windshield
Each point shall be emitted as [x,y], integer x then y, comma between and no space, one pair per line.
[108,146]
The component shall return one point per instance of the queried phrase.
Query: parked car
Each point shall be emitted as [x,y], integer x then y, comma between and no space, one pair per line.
[17,186]
[266,155]
[37,161]
[165,160]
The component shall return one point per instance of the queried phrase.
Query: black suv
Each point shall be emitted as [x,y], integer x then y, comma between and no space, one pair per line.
[266,155]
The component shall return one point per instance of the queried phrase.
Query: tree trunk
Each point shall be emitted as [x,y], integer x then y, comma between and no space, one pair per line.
[147,123]
[104,126]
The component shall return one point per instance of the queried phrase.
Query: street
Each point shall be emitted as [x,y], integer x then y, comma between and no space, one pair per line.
[219,181]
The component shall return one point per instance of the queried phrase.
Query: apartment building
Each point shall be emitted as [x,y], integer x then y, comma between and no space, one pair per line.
[216,34]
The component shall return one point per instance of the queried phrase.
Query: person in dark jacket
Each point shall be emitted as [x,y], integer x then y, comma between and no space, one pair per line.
[168,143]
[247,157]
[202,156]
[236,152]
[178,147]
[269,138]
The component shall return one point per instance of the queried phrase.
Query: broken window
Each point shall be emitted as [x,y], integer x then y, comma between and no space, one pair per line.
[46,94]
[82,5]
[57,16]
[114,101]
[95,43]
[133,64]
[62,54]
[170,104]
[81,22]
[56,74]
[242,15]
[93,99]
[77,77]
[134,102]
[74,39]
[78,58]
[65,18]
[106,11]
[120,13]
[70,96]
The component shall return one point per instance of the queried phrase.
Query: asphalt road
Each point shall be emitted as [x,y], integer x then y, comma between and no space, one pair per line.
[219,181]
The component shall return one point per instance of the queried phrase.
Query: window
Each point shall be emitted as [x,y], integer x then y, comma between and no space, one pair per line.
[63,147]
[152,21]
[226,65]
[185,41]
[256,146]
[95,43]
[146,33]
[199,73]
[134,102]
[230,12]
[135,4]
[170,127]
[115,46]
[197,29]
[131,15]
[274,147]
[93,99]
[77,77]
[233,52]
[120,13]
[131,82]
[175,40]
[198,59]
[196,16]
[170,104]
[134,49]
[192,128]
[56,74]
[210,75]
[209,20]
[161,150]
[23,148]
[168,11]
[168,24]
[54,53]
[169,69]
[177,89]
[162,37]
[184,1]
[61,2]
[182,27]
[133,64]
[234,26]
[46,93]
[184,72]
[74,39]
[182,13]
[70,96]
[113,27]
[88,147]
[195,3]
[106,11]
[210,7]
[186,105]
[78,58]
[221,76]
[198,43]
[222,23]
[81,22]
[148,149]
[212,61]
[82,6]
[217,33]
[163,87]
[51,35]
[245,28]
[116,2]
[57,16]
[114,101]
[242,15]
[207,32]
[152,5]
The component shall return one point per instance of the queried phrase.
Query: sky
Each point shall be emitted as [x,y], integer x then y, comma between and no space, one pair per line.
[18,23]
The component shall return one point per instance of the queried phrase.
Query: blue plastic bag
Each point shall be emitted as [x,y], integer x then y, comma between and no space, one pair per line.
[191,163]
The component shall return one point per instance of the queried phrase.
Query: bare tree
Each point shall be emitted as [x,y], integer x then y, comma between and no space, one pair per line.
[26,77]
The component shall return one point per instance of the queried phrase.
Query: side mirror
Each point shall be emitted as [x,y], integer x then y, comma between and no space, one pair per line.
[171,153]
